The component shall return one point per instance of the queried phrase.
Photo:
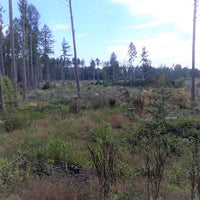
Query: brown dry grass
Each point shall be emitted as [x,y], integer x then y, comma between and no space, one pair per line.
[64,188]
[49,191]
[116,121]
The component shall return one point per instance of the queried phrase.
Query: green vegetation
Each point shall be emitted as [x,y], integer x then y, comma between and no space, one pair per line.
[8,91]
[145,146]
[123,132]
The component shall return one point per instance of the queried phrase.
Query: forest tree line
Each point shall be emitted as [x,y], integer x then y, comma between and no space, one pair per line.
[34,48]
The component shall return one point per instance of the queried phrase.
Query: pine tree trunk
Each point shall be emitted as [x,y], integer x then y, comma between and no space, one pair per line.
[47,68]
[13,63]
[75,53]
[37,72]
[193,52]
[28,69]
[31,60]
[2,104]
[2,59]
[24,52]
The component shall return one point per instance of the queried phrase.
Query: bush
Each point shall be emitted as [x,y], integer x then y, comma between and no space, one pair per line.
[8,91]
[103,83]
[132,82]
[46,86]
[15,120]
[103,156]
[57,151]
[39,162]
[8,175]
[179,83]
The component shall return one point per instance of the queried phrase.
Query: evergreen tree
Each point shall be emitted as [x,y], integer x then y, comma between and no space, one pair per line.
[83,65]
[92,66]
[146,63]
[97,60]
[132,53]
[114,67]
[46,44]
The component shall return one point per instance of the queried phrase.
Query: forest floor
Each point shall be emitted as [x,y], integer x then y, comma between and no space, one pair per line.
[55,146]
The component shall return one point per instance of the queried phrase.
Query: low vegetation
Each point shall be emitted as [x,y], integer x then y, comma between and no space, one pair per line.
[143,146]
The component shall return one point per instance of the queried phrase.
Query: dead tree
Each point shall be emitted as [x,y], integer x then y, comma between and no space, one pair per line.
[75,53]
[193,51]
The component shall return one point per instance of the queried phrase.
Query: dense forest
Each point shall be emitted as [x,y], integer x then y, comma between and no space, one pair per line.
[99,131]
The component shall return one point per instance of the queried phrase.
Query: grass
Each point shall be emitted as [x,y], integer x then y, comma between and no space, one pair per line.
[48,135]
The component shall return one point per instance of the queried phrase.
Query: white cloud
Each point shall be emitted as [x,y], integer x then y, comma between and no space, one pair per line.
[146,25]
[174,46]
[166,48]
[178,12]
[81,35]
[60,27]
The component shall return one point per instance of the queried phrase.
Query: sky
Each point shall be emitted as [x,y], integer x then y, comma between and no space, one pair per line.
[164,27]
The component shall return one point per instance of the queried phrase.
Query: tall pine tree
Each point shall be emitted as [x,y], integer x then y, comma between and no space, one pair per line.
[23,8]
[46,44]
[13,62]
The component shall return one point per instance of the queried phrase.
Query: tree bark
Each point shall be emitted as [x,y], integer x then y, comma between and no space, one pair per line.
[24,52]
[193,52]
[13,63]
[2,59]
[2,103]
[75,53]
[31,60]
[37,79]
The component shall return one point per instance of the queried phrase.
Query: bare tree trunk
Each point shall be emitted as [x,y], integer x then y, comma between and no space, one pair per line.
[28,77]
[2,59]
[37,79]
[93,74]
[13,63]
[2,104]
[2,70]
[63,73]
[24,52]
[31,60]
[75,54]
[193,52]
[47,69]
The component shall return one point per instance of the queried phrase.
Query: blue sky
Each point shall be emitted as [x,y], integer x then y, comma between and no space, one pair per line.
[104,26]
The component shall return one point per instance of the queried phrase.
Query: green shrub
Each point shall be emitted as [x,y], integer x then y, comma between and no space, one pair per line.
[57,151]
[33,113]
[179,83]
[46,86]
[39,162]
[8,91]
[103,156]
[10,175]
[15,120]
